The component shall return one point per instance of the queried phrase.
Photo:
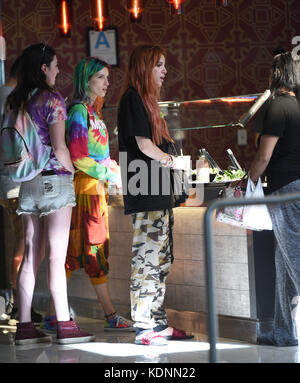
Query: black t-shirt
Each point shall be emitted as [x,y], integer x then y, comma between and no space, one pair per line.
[146,185]
[258,122]
[283,120]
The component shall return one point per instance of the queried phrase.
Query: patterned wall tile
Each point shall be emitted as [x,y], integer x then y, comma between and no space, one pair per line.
[211,51]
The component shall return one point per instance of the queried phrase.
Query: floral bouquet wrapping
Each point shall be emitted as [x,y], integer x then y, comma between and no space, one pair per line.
[232,215]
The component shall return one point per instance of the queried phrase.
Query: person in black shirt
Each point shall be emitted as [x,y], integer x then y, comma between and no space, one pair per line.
[258,122]
[145,164]
[279,155]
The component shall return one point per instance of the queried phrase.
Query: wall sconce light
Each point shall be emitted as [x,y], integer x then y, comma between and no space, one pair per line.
[135,8]
[222,3]
[98,13]
[175,6]
[64,17]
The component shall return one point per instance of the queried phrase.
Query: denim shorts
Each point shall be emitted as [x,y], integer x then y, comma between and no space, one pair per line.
[46,194]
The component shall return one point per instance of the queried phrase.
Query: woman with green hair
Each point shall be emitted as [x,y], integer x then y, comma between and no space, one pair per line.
[87,138]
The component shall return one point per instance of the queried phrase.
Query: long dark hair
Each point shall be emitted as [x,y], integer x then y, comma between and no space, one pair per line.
[30,75]
[285,75]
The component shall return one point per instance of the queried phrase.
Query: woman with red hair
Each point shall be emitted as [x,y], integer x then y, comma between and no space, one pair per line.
[144,143]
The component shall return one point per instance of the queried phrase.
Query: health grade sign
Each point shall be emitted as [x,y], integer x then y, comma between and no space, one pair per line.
[103,45]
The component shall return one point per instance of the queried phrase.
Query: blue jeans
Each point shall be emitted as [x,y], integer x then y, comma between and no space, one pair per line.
[286,225]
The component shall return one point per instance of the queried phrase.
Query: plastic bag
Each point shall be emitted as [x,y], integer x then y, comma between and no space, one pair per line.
[256,217]
[233,215]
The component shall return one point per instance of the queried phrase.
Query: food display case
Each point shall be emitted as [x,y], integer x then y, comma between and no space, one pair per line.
[210,124]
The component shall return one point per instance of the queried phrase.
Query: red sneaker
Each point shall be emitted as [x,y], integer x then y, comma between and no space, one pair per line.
[27,333]
[68,332]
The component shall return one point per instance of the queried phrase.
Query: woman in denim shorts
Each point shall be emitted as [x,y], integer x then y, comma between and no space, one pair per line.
[46,201]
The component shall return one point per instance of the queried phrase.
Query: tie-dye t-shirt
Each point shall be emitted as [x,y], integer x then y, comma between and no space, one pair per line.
[88,143]
[46,108]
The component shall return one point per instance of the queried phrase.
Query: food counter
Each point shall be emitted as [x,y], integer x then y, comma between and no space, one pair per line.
[244,273]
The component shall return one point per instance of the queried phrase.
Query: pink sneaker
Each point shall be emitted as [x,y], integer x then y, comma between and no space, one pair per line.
[27,333]
[68,332]
[150,338]
[172,333]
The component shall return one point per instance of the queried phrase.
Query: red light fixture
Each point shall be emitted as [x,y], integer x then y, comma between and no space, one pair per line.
[98,13]
[135,8]
[222,3]
[175,6]
[64,17]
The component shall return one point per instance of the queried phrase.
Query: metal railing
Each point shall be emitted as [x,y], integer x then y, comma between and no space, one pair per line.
[212,323]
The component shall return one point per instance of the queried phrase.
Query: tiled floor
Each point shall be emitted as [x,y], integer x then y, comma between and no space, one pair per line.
[119,347]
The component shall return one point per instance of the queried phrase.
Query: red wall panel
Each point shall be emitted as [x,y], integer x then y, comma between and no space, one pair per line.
[212,51]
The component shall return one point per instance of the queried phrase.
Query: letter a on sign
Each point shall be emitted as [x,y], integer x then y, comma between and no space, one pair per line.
[103,44]
[102,40]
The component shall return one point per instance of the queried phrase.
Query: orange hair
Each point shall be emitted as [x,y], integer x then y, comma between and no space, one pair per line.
[142,61]
[98,104]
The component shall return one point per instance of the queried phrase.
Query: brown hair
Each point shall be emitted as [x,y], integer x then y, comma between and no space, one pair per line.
[139,75]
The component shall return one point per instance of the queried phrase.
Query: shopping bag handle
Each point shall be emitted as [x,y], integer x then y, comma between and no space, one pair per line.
[251,186]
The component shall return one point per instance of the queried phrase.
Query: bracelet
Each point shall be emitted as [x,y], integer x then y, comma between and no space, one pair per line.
[168,162]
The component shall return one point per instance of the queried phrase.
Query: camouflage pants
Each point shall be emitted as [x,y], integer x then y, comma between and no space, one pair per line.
[152,255]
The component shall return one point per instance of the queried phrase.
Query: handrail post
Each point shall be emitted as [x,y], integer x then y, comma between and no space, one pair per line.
[209,261]
[212,322]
